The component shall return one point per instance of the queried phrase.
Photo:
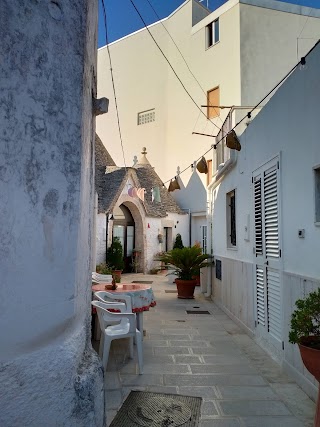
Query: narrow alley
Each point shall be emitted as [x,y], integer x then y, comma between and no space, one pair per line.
[209,356]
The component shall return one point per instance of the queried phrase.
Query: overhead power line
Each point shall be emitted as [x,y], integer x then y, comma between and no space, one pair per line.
[165,57]
[112,79]
[248,115]
[184,60]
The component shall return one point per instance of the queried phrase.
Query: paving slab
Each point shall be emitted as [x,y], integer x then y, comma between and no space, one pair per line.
[205,356]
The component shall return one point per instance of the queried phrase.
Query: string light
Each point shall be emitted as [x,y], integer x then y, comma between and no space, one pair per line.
[301,63]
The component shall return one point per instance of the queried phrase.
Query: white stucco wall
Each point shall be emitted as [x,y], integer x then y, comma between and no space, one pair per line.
[101,237]
[286,128]
[258,45]
[49,373]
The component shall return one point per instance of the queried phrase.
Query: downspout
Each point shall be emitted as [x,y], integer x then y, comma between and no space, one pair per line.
[107,232]
[209,275]
[190,217]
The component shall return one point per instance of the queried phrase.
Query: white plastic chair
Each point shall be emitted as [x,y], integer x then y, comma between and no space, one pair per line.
[101,278]
[127,328]
[109,297]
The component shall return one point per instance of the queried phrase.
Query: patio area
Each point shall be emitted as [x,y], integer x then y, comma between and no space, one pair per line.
[209,356]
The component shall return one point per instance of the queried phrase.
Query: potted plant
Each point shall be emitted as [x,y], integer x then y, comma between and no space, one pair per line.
[185,263]
[305,331]
[115,258]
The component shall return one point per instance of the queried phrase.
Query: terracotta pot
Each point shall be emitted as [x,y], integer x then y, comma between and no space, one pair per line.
[197,279]
[311,360]
[117,275]
[185,288]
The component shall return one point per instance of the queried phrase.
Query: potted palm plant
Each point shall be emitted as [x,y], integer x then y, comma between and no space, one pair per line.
[305,331]
[185,263]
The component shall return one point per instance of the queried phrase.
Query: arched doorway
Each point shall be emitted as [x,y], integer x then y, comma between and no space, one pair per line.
[124,229]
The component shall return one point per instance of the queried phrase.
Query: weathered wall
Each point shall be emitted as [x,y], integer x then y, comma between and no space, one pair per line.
[49,372]
[101,237]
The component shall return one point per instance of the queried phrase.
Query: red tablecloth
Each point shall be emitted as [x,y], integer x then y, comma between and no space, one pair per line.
[142,296]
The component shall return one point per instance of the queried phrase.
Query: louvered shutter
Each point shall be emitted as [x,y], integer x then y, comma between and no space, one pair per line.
[267,253]
[274,311]
[260,296]
[270,183]
[258,216]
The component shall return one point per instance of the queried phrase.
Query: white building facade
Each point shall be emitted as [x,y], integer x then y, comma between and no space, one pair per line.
[265,219]
[237,54]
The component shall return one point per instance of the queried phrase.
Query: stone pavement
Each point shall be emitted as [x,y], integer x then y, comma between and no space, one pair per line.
[207,356]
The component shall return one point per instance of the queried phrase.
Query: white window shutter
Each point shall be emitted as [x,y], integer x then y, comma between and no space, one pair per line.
[271,214]
[258,216]
[260,296]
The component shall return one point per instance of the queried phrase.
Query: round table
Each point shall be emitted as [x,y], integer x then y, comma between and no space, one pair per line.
[142,297]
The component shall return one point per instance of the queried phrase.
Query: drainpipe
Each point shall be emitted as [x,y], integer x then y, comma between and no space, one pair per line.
[190,218]
[107,232]
[209,275]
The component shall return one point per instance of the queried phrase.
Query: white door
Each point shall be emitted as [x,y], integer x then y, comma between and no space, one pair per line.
[267,253]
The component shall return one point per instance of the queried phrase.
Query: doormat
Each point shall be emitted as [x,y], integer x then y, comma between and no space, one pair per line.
[147,282]
[197,312]
[148,409]
[170,291]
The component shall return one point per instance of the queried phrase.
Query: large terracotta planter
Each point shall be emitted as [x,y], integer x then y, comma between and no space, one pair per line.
[185,288]
[311,359]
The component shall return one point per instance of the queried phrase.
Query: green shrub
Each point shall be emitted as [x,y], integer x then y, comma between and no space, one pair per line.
[115,255]
[305,320]
[178,242]
[103,268]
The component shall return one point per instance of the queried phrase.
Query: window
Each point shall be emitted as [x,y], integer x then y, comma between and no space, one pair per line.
[209,174]
[146,117]
[212,33]
[317,193]
[231,219]
[213,99]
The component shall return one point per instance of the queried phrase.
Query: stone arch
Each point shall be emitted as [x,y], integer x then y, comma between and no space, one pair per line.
[139,216]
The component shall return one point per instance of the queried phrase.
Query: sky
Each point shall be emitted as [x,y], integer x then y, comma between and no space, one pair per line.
[122,19]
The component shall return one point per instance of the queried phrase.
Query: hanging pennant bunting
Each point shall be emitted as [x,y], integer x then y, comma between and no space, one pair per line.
[156,194]
[176,184]
[136,192]
[171,187]
[140,193]
[202,165]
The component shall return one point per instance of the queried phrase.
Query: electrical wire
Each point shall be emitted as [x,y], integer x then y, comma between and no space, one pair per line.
[184,60]
[302,31]
[163,54]
[302,60]
[112,79]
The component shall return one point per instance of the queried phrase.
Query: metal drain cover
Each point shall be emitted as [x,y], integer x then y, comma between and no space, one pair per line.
[146,409]
[145,282]
[198,312]
[160,412]
[170,291]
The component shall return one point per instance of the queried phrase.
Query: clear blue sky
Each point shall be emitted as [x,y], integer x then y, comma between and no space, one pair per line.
[122,19]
